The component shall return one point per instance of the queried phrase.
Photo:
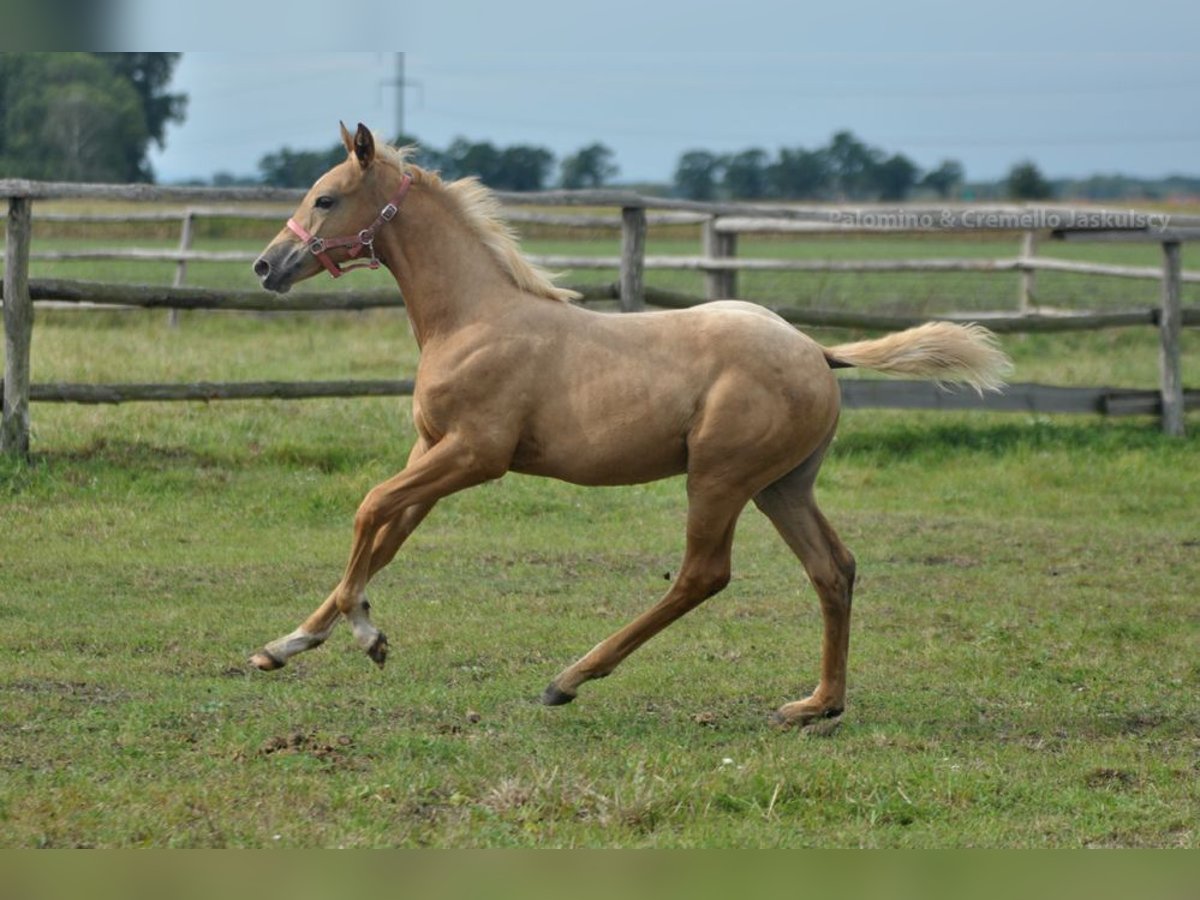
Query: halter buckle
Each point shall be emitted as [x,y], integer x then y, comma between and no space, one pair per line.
[364,240]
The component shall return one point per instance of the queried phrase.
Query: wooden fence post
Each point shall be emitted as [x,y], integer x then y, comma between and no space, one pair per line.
[722,283]
[1026,297]
[185,244]
[18,331]
[633,258]
[1170,323]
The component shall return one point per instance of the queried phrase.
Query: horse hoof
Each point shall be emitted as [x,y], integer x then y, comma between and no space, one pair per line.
[265,661]
[552,696]
[378,651]
[823,722]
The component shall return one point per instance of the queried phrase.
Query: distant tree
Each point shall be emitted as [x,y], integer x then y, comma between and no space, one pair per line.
[894,177]
[799,174]
[426,157]
[406,140]
[745,174]
[1105,187]
[464,157]
[84,116]
[89,131]
[852,163]
[523,168]
[520,167]
[696,175]
[150,74]
[228,179]
[590,167]
[298,168]
[945,179]
[517,168]
[1026,182]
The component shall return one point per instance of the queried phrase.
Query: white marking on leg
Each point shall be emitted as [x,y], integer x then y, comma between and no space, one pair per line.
[297,642]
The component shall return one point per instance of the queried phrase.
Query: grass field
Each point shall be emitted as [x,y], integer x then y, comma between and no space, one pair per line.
[1023,666]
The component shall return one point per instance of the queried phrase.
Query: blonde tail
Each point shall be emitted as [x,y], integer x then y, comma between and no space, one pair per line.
[938,351]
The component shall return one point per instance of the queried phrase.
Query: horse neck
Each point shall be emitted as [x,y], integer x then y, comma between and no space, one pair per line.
[448,277]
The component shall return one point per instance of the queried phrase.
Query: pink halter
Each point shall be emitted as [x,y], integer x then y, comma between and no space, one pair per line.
[364,240]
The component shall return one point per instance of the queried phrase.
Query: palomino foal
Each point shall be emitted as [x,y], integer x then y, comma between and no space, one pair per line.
[513,377]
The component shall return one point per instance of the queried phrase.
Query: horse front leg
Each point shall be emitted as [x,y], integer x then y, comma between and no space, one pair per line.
[317,628]
[387,516]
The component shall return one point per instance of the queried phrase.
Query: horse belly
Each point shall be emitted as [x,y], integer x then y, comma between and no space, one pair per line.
[635,443]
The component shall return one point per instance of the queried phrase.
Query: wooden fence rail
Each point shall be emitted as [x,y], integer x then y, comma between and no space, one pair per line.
[721,224]
[1034,399]
[719,261]
[707,264]
[98,293]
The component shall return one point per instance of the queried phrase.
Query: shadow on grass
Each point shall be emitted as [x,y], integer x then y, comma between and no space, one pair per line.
[136,460]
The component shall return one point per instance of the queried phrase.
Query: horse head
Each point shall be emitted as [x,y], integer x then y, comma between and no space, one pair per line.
[335,222]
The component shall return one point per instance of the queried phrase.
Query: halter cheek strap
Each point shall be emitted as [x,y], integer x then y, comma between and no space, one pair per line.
[364,240]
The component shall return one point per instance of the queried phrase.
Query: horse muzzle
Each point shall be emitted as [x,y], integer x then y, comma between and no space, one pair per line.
[280,266]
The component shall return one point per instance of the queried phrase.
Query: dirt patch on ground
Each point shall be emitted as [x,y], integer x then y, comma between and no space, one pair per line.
[331,750]
[1110,778]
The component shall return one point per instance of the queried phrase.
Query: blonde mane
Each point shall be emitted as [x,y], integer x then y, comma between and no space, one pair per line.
[481,211]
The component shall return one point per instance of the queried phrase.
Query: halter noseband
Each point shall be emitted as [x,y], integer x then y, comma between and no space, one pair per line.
[364,240]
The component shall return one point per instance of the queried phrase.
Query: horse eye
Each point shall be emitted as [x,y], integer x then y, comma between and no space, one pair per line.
[325,202]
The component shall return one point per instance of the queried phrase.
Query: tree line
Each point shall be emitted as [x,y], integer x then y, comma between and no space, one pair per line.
[84,116]
[845,169]
[518,167]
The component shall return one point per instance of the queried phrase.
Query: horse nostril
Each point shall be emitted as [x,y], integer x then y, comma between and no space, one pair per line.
[262,268]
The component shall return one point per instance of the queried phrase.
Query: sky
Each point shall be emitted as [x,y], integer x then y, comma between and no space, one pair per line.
[1096,88]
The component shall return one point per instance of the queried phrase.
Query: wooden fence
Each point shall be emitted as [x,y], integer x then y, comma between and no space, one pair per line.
[721,224]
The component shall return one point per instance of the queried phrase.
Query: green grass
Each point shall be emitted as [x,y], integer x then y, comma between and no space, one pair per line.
[1023,664]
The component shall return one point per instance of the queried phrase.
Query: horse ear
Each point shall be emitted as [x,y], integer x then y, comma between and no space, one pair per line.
[364,145]
[347,138]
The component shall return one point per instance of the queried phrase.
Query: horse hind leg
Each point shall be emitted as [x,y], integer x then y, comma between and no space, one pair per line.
[790,506]
[705,572]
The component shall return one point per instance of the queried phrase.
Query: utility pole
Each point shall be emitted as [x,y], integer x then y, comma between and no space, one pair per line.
[401,83]
[399,95]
